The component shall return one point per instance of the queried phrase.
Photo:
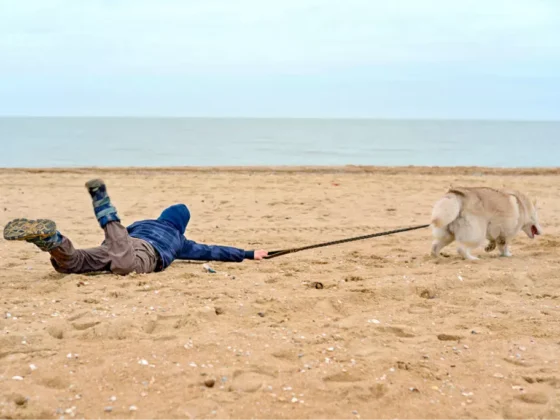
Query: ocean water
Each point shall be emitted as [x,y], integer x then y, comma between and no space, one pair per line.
[78,142]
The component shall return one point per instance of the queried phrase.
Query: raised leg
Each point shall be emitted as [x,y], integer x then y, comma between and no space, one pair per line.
[117,241]
[491,246]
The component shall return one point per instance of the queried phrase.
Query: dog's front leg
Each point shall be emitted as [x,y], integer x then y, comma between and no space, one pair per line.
[503,246]
[491,246]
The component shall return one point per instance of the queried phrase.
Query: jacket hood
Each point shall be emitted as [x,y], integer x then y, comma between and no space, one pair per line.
[178,216]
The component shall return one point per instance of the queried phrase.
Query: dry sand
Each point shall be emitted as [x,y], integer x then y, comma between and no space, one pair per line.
[393,333]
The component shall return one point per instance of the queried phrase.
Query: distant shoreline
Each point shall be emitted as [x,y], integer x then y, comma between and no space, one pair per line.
[343,169]
[309,118]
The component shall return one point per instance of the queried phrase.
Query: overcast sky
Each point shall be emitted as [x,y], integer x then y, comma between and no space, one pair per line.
[289,58]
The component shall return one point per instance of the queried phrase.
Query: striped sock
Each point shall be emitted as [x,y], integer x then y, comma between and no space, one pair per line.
[49,243]
[105,212]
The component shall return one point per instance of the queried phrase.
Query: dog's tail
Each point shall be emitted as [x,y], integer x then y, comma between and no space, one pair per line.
[446,210]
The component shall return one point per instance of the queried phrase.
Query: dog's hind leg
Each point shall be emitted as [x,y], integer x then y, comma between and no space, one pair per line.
[470,233]
[443,238]
[465,252]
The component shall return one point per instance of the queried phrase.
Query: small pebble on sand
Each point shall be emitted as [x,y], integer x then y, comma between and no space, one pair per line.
[17,378]
[210,383]
[143,362]
[108,409]
[32,367]
[20,399]
[132,408]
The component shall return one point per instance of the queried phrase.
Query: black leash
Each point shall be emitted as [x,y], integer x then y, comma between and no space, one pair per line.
[274,254]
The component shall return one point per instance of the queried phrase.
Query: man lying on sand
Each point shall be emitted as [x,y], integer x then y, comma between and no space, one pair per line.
[143,247]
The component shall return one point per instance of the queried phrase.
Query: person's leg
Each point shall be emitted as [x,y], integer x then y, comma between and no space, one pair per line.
[64,257]
[118,254]
[120,246]
[68,260]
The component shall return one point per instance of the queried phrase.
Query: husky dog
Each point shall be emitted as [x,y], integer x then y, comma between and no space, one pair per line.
[471,215]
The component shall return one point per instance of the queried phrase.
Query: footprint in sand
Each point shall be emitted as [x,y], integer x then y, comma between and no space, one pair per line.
[553,381]
[343,377]
[533,398]
[54,382]
[398,331]
[250,381]
[530,405]
[56,331]
[84,324]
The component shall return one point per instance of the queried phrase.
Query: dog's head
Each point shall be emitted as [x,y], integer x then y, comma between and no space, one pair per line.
[530,218]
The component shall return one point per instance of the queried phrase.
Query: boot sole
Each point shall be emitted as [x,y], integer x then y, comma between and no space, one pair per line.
[94,184]
[24,229]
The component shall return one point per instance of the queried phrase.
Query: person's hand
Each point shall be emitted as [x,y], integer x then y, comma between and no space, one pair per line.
[260,254]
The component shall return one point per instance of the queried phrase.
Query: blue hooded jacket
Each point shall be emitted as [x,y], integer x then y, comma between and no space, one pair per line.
[166,235]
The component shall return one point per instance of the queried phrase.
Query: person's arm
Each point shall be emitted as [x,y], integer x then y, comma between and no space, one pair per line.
[200,252]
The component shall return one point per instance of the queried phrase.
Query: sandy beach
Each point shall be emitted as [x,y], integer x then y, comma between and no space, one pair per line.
[393,333]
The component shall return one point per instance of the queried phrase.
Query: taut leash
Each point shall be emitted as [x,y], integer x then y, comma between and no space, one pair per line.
[274,254]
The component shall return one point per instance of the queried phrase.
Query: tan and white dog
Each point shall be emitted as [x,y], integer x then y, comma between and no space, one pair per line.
[472,215]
